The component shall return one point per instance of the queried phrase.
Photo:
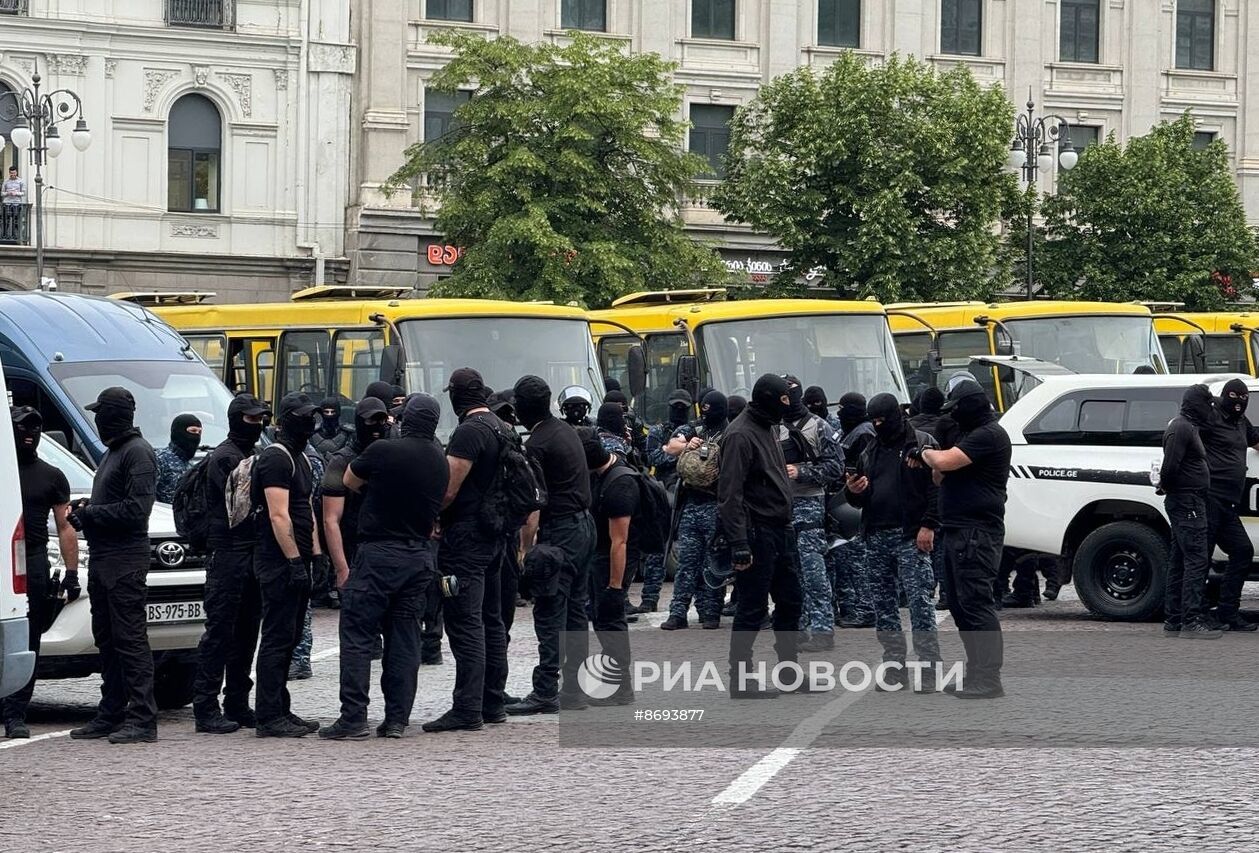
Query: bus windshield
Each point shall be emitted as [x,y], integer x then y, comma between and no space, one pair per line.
[1091,344]
[503,349]
[841,353]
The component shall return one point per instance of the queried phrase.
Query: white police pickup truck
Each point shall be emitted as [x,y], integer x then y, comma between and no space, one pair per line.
[1080,490]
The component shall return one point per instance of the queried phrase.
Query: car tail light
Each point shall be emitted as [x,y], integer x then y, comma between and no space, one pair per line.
[19,558]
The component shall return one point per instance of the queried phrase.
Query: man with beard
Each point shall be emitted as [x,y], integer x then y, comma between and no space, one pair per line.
[664,467]
[754,507]
[898,523]
[402,482]
[697,527]
[341,505]
[332,435]
[115,523]
[472,552]
[44,490]
[815,463]
[972,477]
[567,525]
[174,459]
[1226,438]
[232,603]
[283,483]
[848,561]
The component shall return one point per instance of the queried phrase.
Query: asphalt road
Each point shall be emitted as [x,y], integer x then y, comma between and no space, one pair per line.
[514,787]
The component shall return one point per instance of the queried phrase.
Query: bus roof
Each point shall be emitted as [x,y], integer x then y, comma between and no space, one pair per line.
[660,318]
[347,312]
[1214,323]
[962,315]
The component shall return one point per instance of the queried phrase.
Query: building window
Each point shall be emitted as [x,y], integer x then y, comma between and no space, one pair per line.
[839,23]
[710,136]
[12,7]
[1195,34]
[584,15]
[1083,136]
[448,10]
[960,26]
[194,134]
[712,19]
[1202,139]
[211,14]
[439,112]
[1079,38]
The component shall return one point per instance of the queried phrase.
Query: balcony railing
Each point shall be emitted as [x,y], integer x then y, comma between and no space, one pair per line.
[209,14]
[12,7]
[15,224]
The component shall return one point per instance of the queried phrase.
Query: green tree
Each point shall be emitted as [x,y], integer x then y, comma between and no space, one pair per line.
[1156,220]
[562,176]
[890,178]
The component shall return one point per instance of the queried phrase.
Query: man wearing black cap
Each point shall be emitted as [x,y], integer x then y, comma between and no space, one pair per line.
[972,477]
[283,483]
[1226,439]
[232,605]
[566,524]
[115,523]
[332,435]
[44,490]
[340,505]
[664,467]
[472,552]
[174,459]
[754,505]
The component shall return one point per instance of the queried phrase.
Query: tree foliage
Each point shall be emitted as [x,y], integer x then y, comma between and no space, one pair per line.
[889,177]
[1156,220]
[562,175]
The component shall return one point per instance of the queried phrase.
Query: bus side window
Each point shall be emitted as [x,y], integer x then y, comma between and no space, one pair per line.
[264,363]
[614,359]
[304,363]
[357,363]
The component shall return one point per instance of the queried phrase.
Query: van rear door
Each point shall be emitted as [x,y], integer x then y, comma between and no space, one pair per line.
[17,661]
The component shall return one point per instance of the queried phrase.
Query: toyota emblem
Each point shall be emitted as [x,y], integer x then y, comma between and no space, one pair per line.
[171,554]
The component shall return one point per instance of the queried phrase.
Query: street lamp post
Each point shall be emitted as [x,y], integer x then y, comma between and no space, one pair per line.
[1033,150]
[36,116]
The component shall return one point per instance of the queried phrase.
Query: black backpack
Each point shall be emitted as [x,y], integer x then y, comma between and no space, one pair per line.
[652,520]
[191,505]
[518,488]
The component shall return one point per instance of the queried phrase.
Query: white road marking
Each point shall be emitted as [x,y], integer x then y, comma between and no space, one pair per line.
[13,744]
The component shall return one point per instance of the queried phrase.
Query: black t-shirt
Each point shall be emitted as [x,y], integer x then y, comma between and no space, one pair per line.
[476,441]
[43,487]
[334,487]
[615,496]
[406,481]
[275,468]
[974,496]
[558,449]
[1226,441]
[219,466]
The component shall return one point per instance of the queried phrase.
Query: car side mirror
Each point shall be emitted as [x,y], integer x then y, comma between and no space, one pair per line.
[934,361]
[636,361]
[688,374]
[1197,353]
[391,365]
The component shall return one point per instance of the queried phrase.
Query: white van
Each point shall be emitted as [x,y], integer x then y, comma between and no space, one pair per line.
[17,661]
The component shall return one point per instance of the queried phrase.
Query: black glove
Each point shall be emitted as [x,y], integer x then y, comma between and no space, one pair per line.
[321,571]
[914,453]
[299,575]
[75,520]
[70,585]
[740,555]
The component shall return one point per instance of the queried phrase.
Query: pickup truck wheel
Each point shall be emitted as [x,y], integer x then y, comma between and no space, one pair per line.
[173,682]
[1120,571]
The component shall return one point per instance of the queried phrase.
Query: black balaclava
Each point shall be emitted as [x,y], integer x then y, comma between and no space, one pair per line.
[28,428]
[611,385]
[770,402]
[735,404]
[296,420]
[115,411]
[382,391]
[187,443]
[399,396]
[852,411]
[814,400]
[420,415]
[371,423]
[1233,400]
[795,391]
[888,408]
[533,400]
[502,404]
[467,391]
[329,424]
[241,433]
[931,401]
[617,397]
[1195,406]
[680,403]
[611,418]
[969,406]
[596,454]
[715,410]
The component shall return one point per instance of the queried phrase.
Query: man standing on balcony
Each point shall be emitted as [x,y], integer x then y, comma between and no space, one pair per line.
[13,196]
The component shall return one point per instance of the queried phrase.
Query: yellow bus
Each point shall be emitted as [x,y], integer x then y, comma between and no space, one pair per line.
[935,341]
[696,339]
[1200,342]
[331,341]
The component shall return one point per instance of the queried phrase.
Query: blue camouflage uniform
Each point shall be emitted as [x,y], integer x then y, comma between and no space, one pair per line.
[301,654]
[663,467]
[696,546]
[823,470]
[171,465]
[891,555]
[615,444]
[848,562]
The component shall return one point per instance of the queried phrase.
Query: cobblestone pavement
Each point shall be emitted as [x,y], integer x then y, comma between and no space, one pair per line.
[511,787]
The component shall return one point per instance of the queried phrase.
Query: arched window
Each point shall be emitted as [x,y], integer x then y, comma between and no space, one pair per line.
[194,133]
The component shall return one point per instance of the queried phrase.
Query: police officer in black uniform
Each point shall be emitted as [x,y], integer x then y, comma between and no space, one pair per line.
[1227,436]
[116,524]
